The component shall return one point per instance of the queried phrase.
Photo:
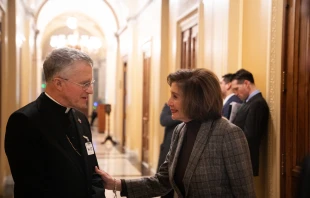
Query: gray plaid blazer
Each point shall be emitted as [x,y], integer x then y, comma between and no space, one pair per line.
[220,167]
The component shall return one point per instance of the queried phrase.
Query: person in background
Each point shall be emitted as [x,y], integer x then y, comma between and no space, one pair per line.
[48,142]
[228,95]
[169,124]
[252,117]
[208,156]
[304,179]
[94,114]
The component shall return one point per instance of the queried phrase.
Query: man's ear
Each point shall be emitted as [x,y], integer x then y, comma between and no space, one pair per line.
[58,83]
[228,86]
[247,83]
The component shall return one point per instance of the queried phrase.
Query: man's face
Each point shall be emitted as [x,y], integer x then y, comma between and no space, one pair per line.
[240,89]
[74,94]
[224,87]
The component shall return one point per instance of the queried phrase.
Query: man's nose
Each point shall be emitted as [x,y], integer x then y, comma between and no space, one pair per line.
[90,89]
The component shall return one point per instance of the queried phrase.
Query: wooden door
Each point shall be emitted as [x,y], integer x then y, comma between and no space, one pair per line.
[124,103]
[189,48]
[1,35]
[295,105]
[145,108]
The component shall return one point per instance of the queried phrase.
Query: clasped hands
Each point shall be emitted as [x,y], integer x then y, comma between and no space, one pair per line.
[109,182]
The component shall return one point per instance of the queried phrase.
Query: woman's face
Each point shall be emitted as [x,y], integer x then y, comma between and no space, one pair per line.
[175,103]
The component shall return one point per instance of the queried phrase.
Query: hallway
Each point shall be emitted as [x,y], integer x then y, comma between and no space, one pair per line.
[113,161]
[136,44]
[110,159]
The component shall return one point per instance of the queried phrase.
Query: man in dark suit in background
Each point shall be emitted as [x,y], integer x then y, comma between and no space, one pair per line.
[48,142]
[253,115]
[169,124]
[228,95]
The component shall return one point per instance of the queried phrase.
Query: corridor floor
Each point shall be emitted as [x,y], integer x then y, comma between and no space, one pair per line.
[110,159]
[114,162]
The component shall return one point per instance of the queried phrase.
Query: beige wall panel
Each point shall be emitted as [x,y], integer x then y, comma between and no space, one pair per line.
[146,28]
[10,82]
[125,49]
[26,69]
[256,15]
[256,19]
[150,30]
[234,36]
[273,95]
[216,35]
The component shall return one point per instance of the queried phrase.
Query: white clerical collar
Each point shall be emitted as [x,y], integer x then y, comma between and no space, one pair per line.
[227,98]
[67,109]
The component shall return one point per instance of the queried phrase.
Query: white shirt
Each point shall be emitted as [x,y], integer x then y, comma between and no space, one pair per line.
[227,98]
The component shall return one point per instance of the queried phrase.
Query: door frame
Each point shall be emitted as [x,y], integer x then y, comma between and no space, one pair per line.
[125,76]
[146,54]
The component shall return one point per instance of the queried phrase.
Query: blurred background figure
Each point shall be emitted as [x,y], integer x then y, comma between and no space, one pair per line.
[227,94]
[94,114]
[253,115]
[304,182]
[169,124]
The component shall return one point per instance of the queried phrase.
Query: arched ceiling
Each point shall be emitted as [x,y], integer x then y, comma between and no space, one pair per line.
[101,18]
[118,8]
[57,26]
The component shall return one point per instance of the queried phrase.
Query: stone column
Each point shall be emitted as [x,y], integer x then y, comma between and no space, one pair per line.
[10,87]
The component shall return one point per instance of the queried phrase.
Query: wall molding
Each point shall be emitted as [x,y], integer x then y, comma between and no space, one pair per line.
[273,99]
[133,18]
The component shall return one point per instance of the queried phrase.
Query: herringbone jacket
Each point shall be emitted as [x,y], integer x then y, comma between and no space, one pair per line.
[218,167]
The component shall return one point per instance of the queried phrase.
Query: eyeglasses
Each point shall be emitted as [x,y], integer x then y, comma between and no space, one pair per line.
[84,86]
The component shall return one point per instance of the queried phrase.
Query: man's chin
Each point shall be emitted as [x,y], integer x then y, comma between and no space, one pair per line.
[82,108]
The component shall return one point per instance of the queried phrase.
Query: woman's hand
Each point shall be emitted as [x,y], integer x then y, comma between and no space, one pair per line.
[109,182]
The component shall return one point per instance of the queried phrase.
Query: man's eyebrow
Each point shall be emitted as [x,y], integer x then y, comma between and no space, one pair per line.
[86,81]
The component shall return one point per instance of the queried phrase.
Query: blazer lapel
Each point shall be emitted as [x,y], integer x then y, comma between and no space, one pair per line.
[174,162]
[199,146]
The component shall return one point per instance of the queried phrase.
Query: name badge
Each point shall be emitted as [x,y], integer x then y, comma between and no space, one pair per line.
[89,148]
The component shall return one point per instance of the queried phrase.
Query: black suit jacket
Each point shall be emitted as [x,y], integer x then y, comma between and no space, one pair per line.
[42,160]
[252,118]
[225,110]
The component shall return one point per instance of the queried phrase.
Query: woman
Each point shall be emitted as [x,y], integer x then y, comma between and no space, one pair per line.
[208,155]
[169,124]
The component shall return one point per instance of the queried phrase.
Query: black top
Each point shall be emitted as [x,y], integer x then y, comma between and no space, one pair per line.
[192,129]
[186,150]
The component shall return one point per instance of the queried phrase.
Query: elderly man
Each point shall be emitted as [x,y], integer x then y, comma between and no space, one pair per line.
[48,142]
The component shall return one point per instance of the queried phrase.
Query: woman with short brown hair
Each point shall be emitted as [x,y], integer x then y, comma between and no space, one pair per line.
[208,156]
[202,98]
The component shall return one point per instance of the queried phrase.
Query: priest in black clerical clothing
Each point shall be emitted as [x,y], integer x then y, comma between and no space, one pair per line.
[48,142]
